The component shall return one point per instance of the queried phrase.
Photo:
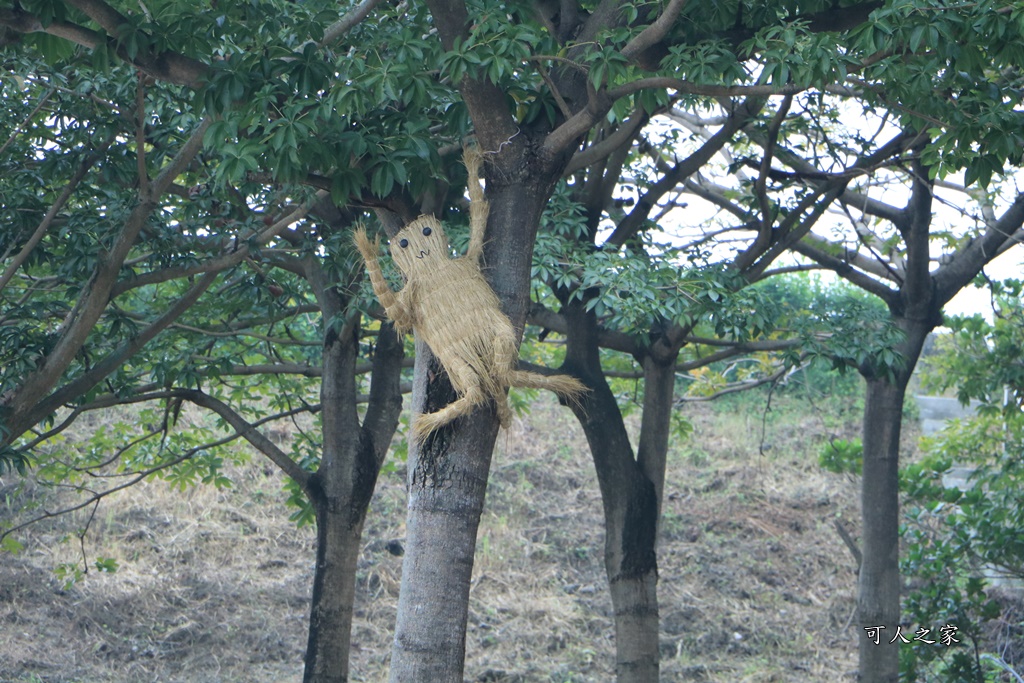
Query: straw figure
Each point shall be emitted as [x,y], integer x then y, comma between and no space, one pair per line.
[451,306]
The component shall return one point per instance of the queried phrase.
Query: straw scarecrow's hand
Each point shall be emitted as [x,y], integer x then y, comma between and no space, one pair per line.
[368,249]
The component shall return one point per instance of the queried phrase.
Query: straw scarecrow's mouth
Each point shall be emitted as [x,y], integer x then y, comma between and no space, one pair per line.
[424,252]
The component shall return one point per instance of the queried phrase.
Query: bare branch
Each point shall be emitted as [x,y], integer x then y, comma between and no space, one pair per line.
[632,223]
[845,270]
[736,387]
[973,256]
[656,32]
[347,22]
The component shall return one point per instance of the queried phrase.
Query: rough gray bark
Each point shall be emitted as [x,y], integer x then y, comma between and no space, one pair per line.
[916,311]
[447,483]
[916,308]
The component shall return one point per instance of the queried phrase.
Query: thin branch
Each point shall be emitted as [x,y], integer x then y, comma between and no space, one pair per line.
[117,358]
[788,269]
[140,134]
[634,221]
[845,270]
[17,129]
[973,256]
[256,438]
[96,295]
[96,497]
[688,88]
[559,100]
[51,214]
[347,22]
[850,543]
[736,387]
[760,185]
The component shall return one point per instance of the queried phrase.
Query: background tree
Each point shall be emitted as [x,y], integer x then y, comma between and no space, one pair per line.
[915,294]
[628,293]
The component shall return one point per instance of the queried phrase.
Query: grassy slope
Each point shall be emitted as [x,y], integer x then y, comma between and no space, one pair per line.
[755,584]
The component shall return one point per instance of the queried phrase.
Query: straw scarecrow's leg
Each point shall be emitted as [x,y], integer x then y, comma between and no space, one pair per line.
[506,358]
[505,355]
[563,385]
[461,375]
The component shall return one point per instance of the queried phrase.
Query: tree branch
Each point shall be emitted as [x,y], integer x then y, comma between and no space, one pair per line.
[623,135]
[846,271]
[24,122]
[51,213]
[384,403]
[252,435]
[96,294]
[117,358]
[632,223]
[975,255]
[347,22]
[656,32]
[544,317]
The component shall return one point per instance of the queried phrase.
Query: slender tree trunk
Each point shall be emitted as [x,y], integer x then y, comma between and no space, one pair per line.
[878,588]
[447,482]
[630,501]
[878,601]
[330,621]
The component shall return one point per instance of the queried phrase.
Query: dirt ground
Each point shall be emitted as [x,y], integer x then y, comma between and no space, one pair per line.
[755,583]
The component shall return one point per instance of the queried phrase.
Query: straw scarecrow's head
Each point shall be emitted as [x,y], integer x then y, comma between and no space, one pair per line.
[420,246]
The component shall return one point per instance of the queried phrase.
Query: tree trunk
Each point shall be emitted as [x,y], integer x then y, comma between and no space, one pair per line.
[630,502]
[447,482]
[448,473]
[330,621]
[343,484]
[878,588]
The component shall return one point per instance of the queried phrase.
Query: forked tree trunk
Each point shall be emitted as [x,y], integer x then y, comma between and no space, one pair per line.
[343,485]
[630,502]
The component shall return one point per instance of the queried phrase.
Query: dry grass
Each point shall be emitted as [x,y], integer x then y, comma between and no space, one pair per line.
[755,584]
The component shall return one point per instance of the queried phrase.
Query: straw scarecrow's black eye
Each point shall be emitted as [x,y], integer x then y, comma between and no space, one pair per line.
[426,232]
[403,243]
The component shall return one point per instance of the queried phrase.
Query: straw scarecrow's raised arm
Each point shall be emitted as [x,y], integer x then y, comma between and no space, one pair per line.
[393,305]
[478,206]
